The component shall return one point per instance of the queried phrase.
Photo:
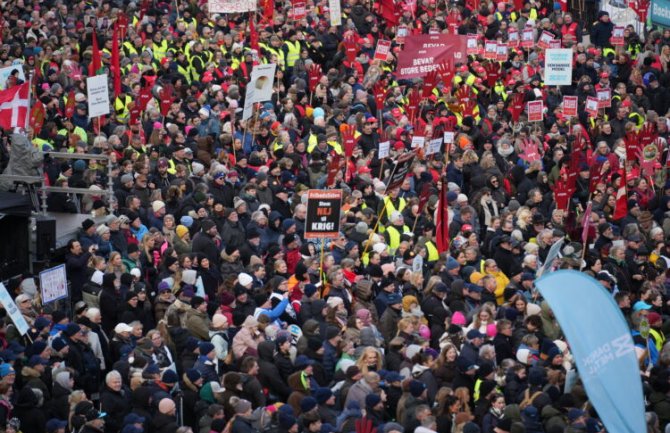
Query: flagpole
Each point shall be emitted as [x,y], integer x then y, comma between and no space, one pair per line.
[30,100]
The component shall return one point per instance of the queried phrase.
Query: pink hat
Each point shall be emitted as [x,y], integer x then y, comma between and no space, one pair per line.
[491,330]
[424,332]
[458,319]
[158,125]
[188,128]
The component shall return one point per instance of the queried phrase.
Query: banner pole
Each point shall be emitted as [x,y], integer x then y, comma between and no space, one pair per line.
[321,279]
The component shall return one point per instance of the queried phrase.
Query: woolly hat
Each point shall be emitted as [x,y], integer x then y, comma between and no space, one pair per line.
[307,404]
[416,388]
[322,395]
[181,231]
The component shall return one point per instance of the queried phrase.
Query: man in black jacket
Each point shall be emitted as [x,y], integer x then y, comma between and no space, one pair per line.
[204,242]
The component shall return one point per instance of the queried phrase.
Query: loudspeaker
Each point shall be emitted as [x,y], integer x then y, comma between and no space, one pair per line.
[14,248]
[45,237]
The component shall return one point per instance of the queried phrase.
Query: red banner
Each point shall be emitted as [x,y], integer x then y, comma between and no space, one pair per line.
[617,36]
[424,53]
[527,38]
[604,98]
[591,106]
[299,10]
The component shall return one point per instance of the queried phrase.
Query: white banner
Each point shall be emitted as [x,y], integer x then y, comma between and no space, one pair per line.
[434,146]
[53,283]
[14,313]
[259,88]
[335,12]
[98,95]
[230,6]
[6,72]
[384,149]
[558,67]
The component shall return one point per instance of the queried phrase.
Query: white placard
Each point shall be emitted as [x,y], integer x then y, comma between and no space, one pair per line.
[13,311]
[335,12]
[53,284]
[434,146]
[230,6]
[449,137]
[384,149]
[259,88]
[418,142]
[98,95]
[558,67]
[6,72]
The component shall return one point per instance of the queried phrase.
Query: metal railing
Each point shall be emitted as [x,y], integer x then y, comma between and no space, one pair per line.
[32,181]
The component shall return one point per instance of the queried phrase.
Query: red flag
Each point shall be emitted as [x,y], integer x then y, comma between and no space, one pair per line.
[268,11]
[621,206]
[426,189]
[350,48]
[69,105]
[122,21]
[37,116]
[144,97]
[166,95]
[389,12]
[15,106]
[96,60]
[253,35]
[116,66]
[586,223]
[442,223]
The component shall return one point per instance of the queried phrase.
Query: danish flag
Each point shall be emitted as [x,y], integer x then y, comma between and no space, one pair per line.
[15,106]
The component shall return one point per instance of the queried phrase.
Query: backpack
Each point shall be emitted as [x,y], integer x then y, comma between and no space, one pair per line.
[528,399]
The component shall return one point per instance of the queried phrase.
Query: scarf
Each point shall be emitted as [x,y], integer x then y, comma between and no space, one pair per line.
[490,208]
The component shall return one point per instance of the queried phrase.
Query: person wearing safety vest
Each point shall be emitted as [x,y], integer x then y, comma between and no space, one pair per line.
[655,331]
[159,46]
[394,231]
[198,61]
[291,49]
[121,105]
[428,241]
[390,204]
[485,376]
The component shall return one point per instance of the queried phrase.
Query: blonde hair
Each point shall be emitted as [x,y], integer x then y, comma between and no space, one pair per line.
[362,365]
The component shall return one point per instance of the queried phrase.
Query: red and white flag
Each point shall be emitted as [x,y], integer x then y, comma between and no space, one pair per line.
[15,106]
[621,206]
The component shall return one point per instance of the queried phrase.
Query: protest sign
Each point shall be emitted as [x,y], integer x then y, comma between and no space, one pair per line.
[383,49]
[53,284]
[299,10]
[604,98]
[535,111]
[6,72]
[558,67]
[425,53]
[230,6]
[570,106]
[527,38]
[335,12]
[545,39]
[433,146]
[418,142]
[592,106]
[401,33]
[13,311]
[323,213]
[384,149]
[617,36]
[98,95]
[513,38]
[471,47]
[400,170]
[259,88]
[490,50]
[501,52]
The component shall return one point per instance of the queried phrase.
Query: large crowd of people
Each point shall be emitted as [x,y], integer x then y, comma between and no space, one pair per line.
[197,302]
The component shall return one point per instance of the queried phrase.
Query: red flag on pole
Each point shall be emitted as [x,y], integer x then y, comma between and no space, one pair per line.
[69,105]
[96,60]
[116,65]
[442,223]
[621,205]
[37,116]
[253,35]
